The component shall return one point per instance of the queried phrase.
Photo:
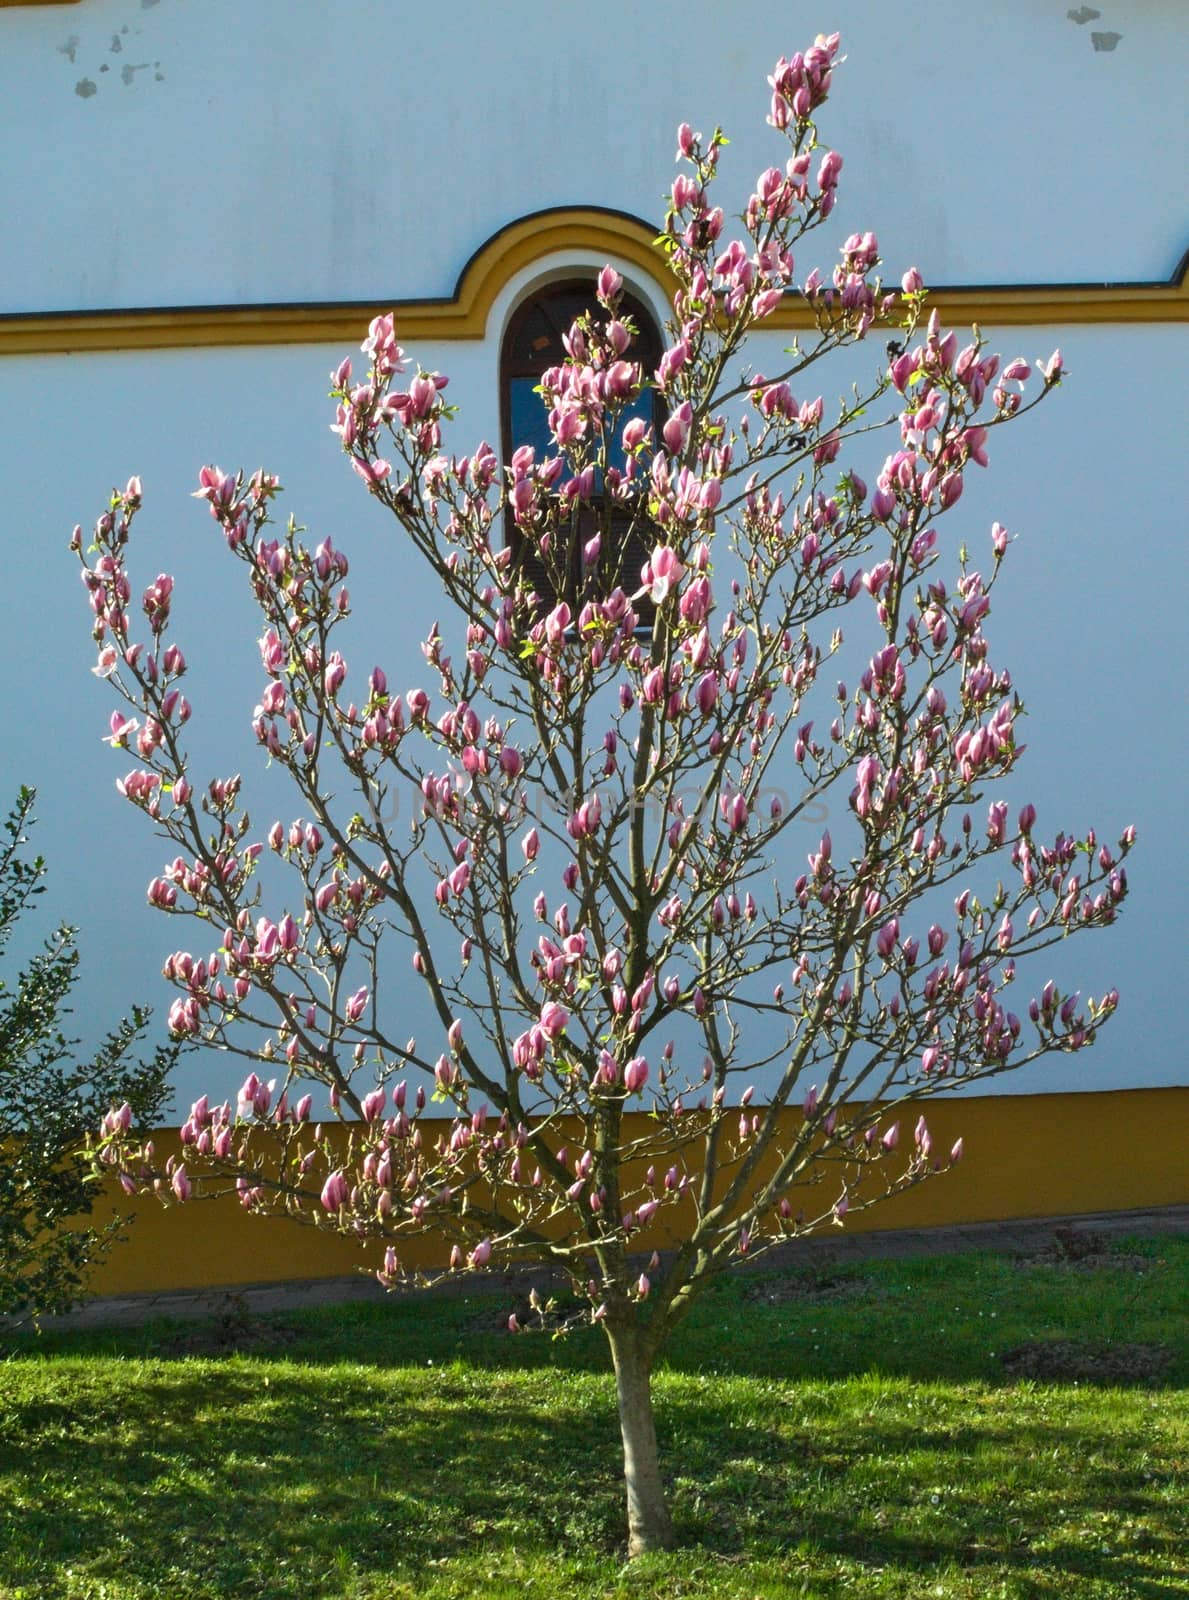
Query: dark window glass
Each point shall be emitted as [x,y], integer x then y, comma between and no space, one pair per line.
[533,343]
[527,417]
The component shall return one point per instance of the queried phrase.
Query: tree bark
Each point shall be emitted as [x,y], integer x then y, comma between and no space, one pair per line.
[649,1523]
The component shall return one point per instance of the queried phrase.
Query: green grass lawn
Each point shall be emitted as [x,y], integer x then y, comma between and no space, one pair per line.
[848,1435]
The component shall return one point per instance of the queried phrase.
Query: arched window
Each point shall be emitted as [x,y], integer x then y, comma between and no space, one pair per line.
[532,343]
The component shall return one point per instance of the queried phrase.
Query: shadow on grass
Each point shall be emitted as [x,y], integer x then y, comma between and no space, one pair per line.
[976,1317]
[262,1478]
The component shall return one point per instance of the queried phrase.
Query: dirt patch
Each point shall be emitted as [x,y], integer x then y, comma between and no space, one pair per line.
[1082,1251]
[234,1329]
[815,1290]
[1063,1361]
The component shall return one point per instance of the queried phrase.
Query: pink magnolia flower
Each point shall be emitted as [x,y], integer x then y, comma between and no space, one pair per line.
[733,809]
[661,574]
[635,1075]
[554,1018]
[610,284]
[120,726]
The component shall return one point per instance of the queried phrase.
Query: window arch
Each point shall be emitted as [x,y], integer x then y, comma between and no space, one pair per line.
[533,342]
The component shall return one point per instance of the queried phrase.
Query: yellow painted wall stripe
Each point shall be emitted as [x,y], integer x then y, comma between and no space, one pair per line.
[1026,1156]
[535,239]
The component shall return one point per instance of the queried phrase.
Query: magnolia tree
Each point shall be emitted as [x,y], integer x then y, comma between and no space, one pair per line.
[610,916]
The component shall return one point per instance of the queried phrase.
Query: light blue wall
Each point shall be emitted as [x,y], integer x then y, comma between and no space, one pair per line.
[271,162]
[273,151]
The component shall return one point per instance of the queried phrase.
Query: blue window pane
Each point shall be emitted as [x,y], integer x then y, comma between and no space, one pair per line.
[530,421]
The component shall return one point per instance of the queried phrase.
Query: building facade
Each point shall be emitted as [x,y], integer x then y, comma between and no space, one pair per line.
[206,203]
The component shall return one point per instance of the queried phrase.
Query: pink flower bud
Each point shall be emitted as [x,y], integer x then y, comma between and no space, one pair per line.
[733,809]
[609,284]
[553,1019]
[635,1075]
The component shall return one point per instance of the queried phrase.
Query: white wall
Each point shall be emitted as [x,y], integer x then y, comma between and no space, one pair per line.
[1090,619]
[307,177]
[272,151]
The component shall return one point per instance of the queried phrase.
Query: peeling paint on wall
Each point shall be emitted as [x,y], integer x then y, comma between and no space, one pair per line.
[113,44]
[1104,40]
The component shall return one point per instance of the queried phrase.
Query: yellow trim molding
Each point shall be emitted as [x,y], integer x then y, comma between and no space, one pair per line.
[536,238]
[1039,1155]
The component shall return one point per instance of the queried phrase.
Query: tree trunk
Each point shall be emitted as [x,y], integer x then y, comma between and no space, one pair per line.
[649,1524]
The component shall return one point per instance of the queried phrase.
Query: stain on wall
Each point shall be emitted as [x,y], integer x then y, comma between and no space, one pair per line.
[115,45]
[1104,40]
